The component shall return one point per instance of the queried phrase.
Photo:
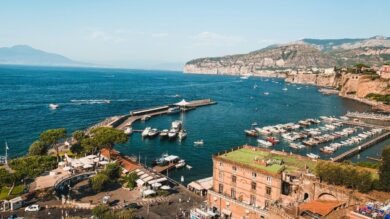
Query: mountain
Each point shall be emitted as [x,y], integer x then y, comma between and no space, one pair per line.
[26,55]
[305,53]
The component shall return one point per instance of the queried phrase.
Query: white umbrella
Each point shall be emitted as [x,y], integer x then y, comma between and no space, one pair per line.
[156,185]
[103,162]
[148,192]
[165,187]
[77,165]
[96,160]
[92,156]
[87,166]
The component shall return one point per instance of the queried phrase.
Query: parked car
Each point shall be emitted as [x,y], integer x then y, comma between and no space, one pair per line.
[132,206]
[106,199]
[32,208]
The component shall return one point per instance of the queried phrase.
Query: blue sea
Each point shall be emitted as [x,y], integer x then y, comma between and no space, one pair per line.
[26,92]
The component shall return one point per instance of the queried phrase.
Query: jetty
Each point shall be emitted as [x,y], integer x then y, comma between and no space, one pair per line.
[162,169]
[361,147]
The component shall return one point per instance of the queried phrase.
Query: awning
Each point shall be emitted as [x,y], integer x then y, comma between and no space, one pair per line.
[148,179]
[165,187]
[87,166]
[148,192]
[226,212]
[140,173]
[139,182]
[92,156]
[195,185]
[103,162]
[144,176]
[156,185]
[159,180]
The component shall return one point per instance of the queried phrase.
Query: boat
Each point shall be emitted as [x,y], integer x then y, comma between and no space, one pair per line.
[161,161]
[313,156]
[173,110]
[180,164]
[128,131]
[251,133]
[244,77]
[273,140]
[188,167]
[327,150]
[172,133]
[177,124]
[145,117]
[254,124]
[285,89]
[182,134]
[153,133]
[264,143]
[146,131]
[199,142]
[266,93]
[164,133]
[296,146]
[53,106]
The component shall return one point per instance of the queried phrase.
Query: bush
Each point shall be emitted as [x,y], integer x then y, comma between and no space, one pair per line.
[37,148]
[113,170]
[104,212]
[99,182]
[131,178]
[378,97]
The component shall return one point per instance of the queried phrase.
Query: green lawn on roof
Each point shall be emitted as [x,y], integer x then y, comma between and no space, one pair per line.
[247,156]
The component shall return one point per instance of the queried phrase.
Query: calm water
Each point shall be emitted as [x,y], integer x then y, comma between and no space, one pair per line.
[26,92]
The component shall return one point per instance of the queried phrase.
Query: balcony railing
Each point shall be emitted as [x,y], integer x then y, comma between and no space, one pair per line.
[237,202]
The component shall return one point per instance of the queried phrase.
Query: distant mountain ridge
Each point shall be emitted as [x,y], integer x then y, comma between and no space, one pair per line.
[305,53]
[26,55]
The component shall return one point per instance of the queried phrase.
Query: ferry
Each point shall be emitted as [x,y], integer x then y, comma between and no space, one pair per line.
[264,143]
[53,106]
[313,156]
[146,131]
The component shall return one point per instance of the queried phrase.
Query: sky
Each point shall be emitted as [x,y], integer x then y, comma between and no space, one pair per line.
[142,33]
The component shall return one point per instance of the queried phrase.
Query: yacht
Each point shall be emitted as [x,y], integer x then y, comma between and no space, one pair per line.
[172,133]
[53,106]
[180,164]
[146,131]
[128,131]
[182,134]
[313,156]
[199,142]
[264,143]
[153,133]
[177,125]
[164,133]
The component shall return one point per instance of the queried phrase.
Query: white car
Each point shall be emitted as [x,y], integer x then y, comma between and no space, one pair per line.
[32,208]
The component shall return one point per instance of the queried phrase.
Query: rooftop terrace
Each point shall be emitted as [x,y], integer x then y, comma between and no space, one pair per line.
[253,157]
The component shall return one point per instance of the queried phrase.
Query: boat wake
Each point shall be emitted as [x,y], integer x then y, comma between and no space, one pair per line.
[81,102]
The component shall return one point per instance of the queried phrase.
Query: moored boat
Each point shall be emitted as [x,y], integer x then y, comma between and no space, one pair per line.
[146,131]
[251,133]
[199,142]
[264,143]
[313,156]
[53,106]
[182,134]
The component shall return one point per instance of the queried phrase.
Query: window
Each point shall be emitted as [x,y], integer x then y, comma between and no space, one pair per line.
[254,175]
[234,179]
[252,200]
[268,190]
[234,168]
[220,164]
[266,204]
[269,179]
[233,193]
[220,175]
[220,188]
[253,186]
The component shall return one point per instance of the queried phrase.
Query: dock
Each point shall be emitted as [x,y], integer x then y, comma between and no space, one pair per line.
[361,147]
[162,169]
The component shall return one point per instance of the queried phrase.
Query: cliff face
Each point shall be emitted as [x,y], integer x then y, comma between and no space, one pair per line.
[361,85]
[259,62]
[324,80]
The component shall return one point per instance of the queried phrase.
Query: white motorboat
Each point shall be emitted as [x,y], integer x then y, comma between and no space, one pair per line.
[313,156]
[153,133]
[128,131]
[164,133]
[173,110]
[188,167]
[172,133]
[146,131]
[180,164]
[182,134]
[266,93]
[53,106]
[244,77]
[285,89]
[199,142]
[264,143]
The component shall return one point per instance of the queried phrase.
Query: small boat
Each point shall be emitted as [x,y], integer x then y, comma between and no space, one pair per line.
[145,117]
[273,140]
[285,89]
[251,133]
[128,131]
[199,142]
[264,143]
[177,125]
[161,161]
[173,110]
[188,167]
[313,156]
[296,146]
[53,106]
[164,133]
[266,93]
[146,131]
[172,133]
[180,164]
[254,124]
[182,134]
[244,77]
[153,133]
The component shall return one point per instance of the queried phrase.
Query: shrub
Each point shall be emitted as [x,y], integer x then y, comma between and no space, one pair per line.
[99,182]
[113,170]
[37,148]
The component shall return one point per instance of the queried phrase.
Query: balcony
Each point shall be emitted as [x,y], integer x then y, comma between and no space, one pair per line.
[240,203]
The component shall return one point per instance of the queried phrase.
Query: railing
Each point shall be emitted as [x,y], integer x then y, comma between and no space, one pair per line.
[66,178]
[247,206]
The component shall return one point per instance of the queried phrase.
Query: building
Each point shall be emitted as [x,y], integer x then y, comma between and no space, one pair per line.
[252,182]
[385,72]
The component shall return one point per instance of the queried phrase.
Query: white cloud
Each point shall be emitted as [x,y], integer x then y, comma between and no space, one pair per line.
[214,39]
[107,37]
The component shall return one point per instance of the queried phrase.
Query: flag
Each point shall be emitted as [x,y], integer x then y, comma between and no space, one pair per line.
[6,146]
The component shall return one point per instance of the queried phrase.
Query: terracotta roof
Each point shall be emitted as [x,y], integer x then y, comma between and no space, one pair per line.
[105,153]
[128,165]
[320,207]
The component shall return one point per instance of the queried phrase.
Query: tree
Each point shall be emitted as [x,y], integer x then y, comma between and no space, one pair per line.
[99,181]
[106,137]
[113,170]
[131,178]
[100,211]
[78,135]
[88,145]
[384,170]
[51,138]
[37,148]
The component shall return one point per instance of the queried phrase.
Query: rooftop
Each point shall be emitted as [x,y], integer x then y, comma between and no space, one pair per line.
[321,207]
[255,156]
